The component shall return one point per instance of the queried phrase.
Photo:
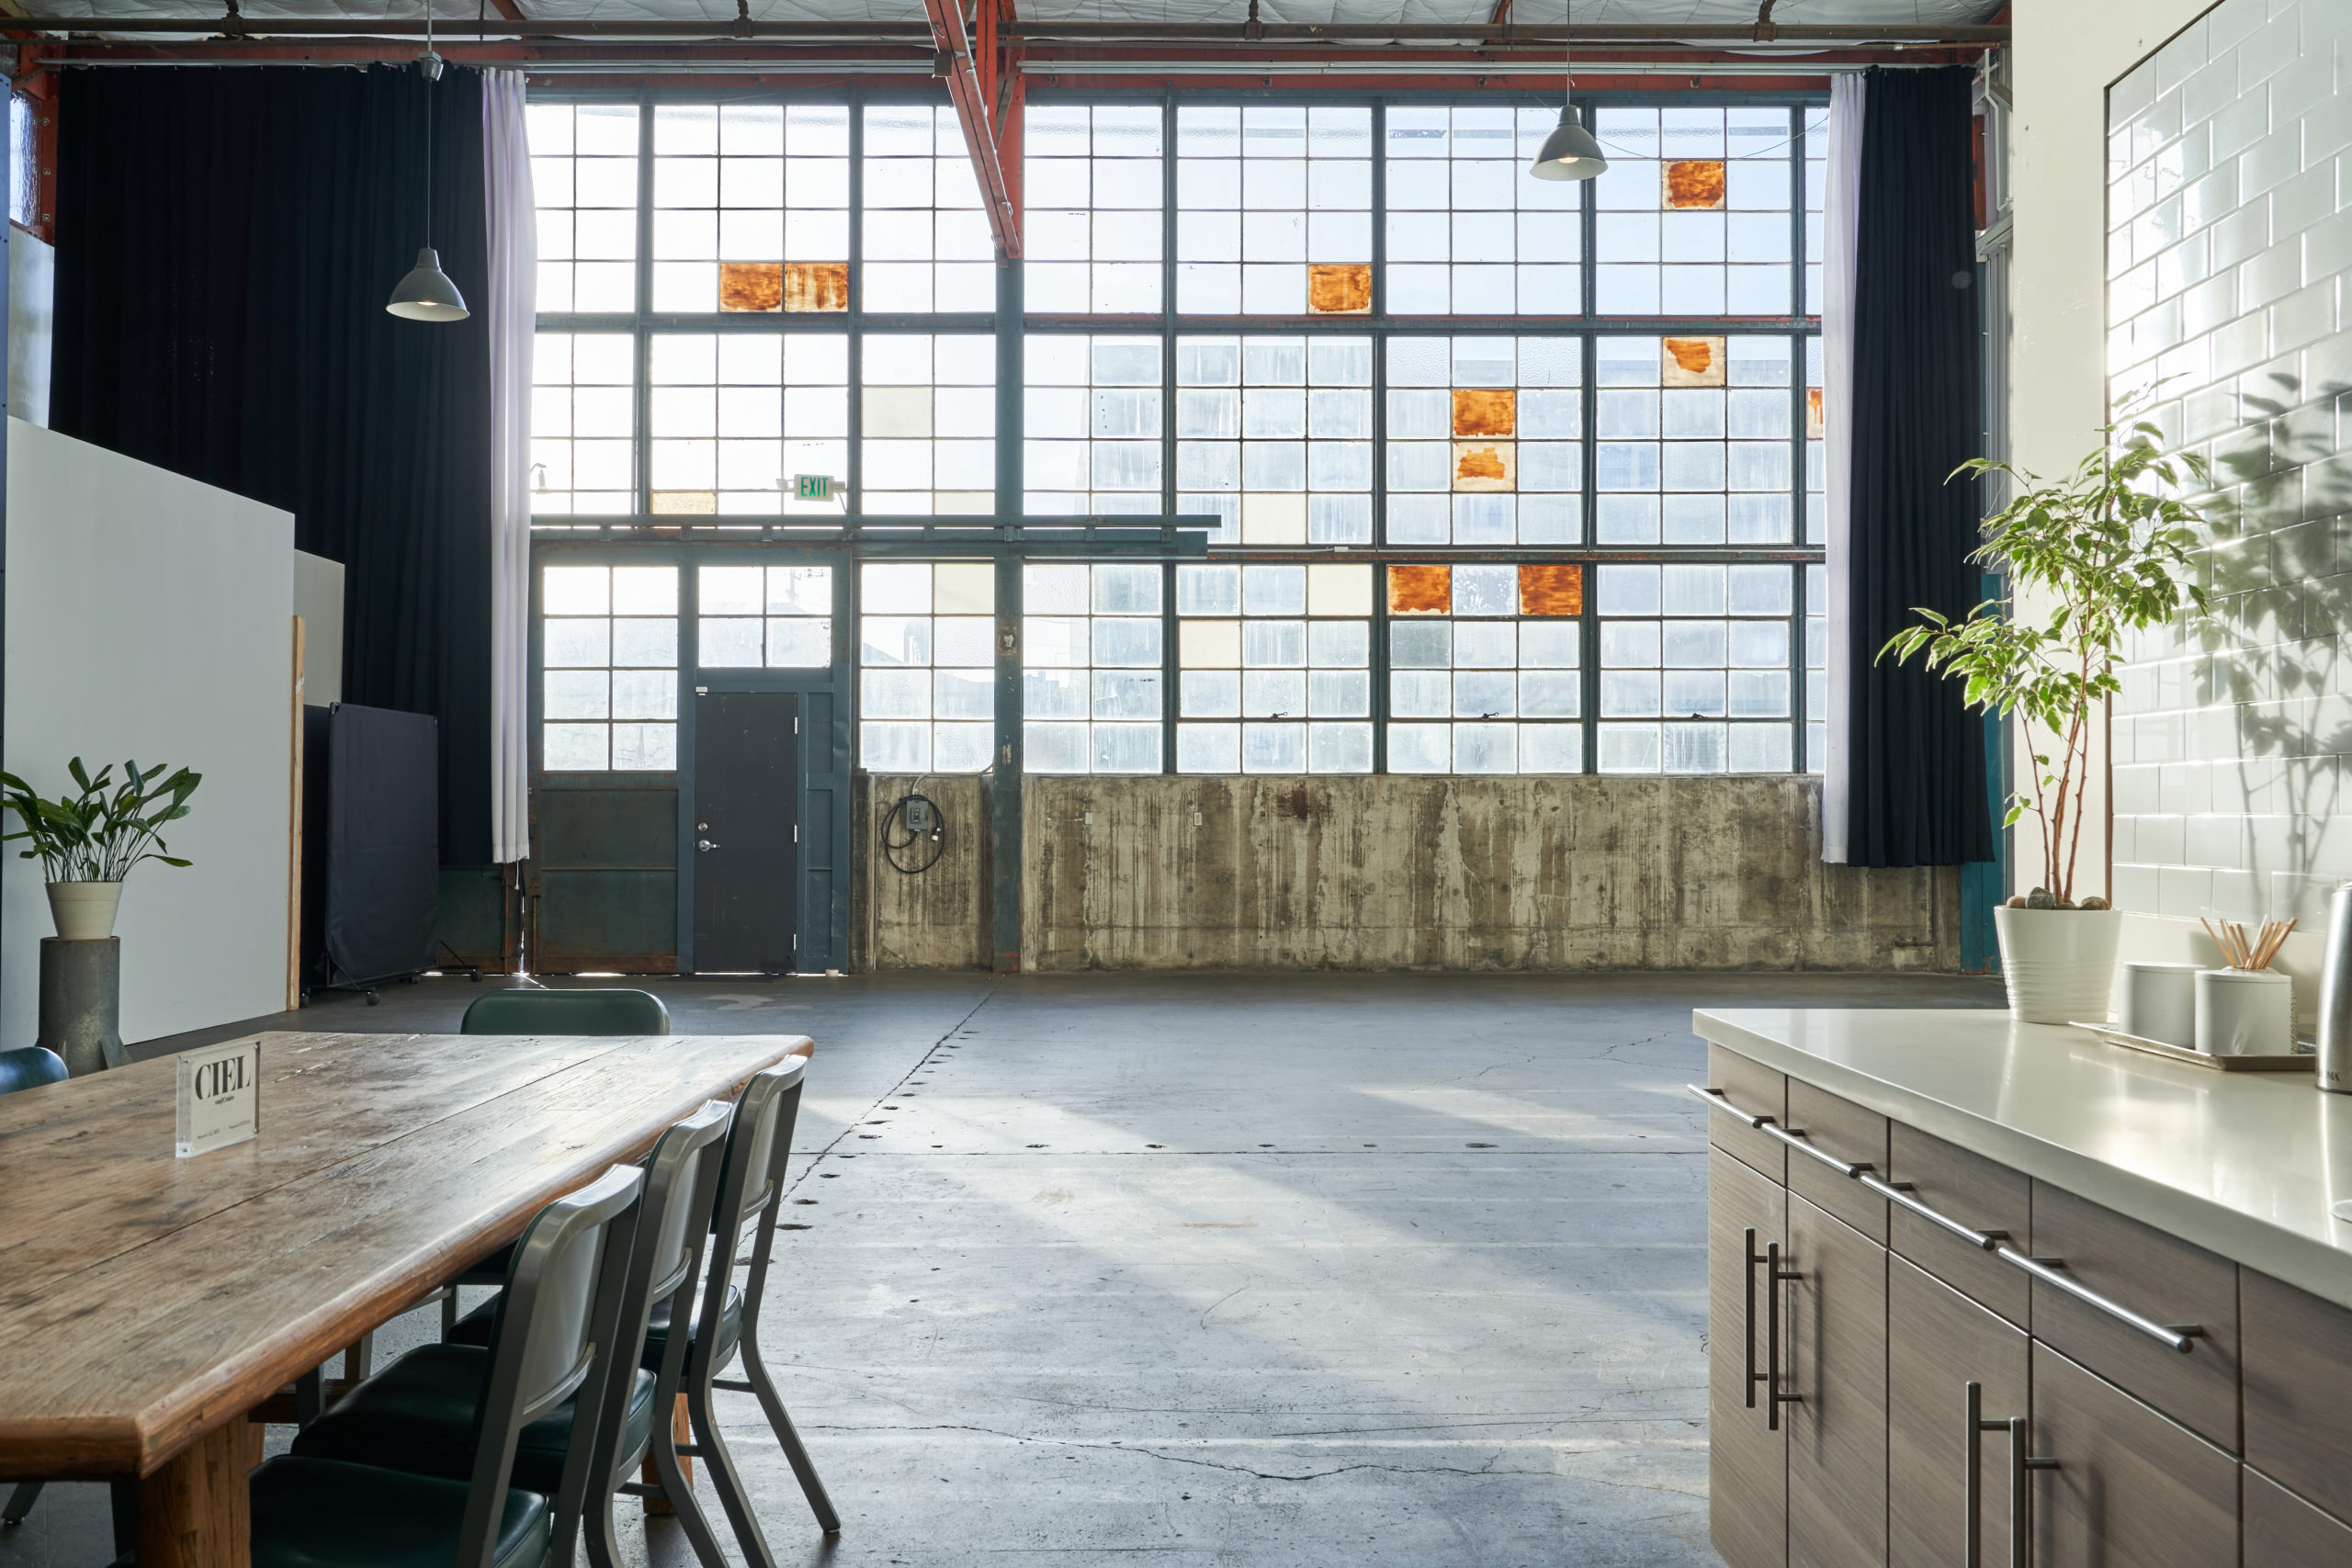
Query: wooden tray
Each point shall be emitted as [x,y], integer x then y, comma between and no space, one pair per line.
[2303,1061]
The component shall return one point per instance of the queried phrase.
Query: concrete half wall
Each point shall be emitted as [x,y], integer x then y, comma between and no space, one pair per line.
[1396,872]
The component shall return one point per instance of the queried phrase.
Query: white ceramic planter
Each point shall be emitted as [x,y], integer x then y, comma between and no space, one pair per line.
[84,910]
[2058,964]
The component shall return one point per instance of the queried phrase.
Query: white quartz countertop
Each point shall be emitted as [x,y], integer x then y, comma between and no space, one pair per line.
[2243,1164]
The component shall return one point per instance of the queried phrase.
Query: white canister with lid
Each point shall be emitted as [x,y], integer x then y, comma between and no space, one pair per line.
[2245,1012]
[2160,1001]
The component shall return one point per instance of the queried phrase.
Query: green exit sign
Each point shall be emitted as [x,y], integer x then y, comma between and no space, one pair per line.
[813,487]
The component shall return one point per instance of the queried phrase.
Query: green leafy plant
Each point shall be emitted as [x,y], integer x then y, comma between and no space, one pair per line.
[2109,547]
[99,834]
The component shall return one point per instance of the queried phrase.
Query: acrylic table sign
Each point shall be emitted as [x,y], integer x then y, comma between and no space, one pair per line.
[219,1097]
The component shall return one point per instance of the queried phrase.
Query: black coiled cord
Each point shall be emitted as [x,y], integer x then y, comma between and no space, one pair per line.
[907,839]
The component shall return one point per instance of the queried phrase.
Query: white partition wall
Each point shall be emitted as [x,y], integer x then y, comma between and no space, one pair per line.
[149,615]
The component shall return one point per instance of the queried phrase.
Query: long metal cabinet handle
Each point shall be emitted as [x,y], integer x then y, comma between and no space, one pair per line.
[1973,1483]
[1748,1318]
[2019,1463]
[1774,1276]
[2178,1336]
[2181,1337]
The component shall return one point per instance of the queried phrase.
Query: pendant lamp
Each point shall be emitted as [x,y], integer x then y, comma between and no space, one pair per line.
[1569,152]
[426,294]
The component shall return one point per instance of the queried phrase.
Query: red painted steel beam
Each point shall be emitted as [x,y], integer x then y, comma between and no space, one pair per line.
[973,111]
[508,9]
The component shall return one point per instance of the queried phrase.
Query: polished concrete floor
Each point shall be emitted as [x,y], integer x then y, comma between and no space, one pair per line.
[1344,1269]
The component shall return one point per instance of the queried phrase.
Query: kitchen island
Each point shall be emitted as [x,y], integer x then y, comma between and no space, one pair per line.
[1985,1292]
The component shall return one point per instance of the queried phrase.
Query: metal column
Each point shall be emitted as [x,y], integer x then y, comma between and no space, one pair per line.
[1004,795]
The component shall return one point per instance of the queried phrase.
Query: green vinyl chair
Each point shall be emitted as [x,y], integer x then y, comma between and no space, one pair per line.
[420,1414]
[598,1012]
[601,1011]
[725,1324]
[556,1350]
[29,1067]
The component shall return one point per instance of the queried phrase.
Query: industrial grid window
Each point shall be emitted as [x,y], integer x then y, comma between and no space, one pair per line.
[1355,333]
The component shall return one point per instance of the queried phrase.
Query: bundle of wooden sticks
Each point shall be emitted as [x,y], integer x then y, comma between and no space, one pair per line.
[2246,951]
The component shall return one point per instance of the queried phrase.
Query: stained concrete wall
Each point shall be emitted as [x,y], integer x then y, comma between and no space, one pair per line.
[934,920]
[1397,872]
[1402,872]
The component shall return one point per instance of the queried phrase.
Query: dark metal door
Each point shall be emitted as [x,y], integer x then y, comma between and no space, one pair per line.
[747,772]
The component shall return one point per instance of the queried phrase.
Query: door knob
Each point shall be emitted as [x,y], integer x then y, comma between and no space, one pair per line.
[705,844]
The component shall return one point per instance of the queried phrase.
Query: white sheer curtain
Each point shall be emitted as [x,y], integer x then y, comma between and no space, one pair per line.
[1840,230]
[513,312]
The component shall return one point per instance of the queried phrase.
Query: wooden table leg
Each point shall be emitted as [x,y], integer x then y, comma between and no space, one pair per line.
[682,1433]
[196,1512]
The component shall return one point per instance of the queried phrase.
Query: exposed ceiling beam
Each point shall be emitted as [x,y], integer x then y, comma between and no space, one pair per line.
[1300,33]
[977,115]
[508,9]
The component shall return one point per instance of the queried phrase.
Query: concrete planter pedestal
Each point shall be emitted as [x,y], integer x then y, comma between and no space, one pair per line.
[81,1002]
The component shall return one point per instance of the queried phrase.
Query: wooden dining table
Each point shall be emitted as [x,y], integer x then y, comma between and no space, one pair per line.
[147,1304]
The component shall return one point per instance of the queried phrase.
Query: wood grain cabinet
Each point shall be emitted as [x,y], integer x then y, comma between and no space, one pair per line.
[2235,1454]
[2128,1488]
[1748,1467]
[1833,1367]
[2284,1532]
[1937,1342]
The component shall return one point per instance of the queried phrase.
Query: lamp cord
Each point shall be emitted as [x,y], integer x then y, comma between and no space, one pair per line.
[429,73]
[1569,54]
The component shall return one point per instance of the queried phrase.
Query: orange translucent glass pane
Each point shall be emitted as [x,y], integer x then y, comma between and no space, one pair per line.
[1421,589]
[751,286]
[1692,362]
[1338,289]
[1813,413]
[1551,590]
[1485,411]
[1486,466]
[1695,184]
[816,286]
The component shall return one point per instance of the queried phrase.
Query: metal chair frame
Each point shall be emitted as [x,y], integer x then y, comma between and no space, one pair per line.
[682,1183]
[751,1187]
[557,1322]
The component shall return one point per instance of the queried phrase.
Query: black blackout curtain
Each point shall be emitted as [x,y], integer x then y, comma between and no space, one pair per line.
[226,240]
[1915,757]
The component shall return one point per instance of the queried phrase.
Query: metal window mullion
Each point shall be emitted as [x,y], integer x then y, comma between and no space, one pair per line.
[855,325]
[1797,670]
[1587,231]
[1170,671]
[1379,325]
[641,400]
[1589,654]
[1168,303]
[1800,150]
[1379,708]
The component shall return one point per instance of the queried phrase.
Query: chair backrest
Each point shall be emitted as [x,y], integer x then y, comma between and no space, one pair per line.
[555,1334]
[680,1177]
[788,1115]
[29,1067]
[749,1185]
[566,1012]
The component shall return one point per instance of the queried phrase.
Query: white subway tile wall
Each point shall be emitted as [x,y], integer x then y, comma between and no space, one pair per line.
[2229,328]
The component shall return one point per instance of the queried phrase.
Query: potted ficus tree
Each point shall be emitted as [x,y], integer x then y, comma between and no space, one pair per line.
[87,843]
[2105,551]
